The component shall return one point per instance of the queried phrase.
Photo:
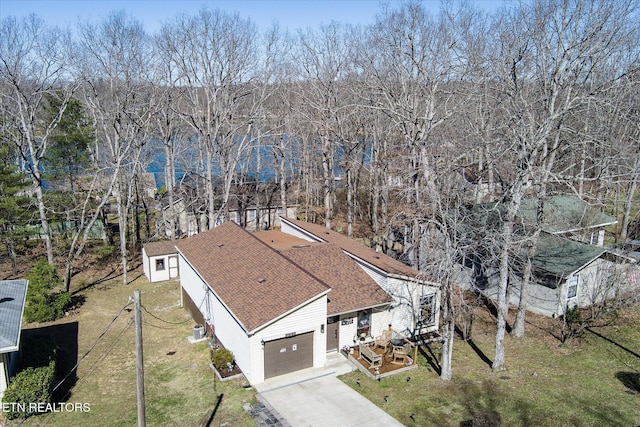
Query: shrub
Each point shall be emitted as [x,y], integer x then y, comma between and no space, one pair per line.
[42,304]
[47,307]
[31,386]
[105,252]
[573,325]
[221,358]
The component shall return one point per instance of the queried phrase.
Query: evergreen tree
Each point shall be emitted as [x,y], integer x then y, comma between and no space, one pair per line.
[15,209]
[68,156]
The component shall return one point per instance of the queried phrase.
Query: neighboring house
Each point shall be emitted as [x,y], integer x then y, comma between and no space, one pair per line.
[566,273]
[415,308]
[280,302]
[568,216]
[190,223]
[570,266]
[252,204]
[160,261]
[13,294]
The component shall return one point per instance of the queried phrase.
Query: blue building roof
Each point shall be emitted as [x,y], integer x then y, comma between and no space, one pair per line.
[12,297]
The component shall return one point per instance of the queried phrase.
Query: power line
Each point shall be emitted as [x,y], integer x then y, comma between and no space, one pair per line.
[92,347]
[166,321]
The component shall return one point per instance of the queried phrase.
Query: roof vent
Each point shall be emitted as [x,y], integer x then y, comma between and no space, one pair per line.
[300,246]
[220,245]
[262,280]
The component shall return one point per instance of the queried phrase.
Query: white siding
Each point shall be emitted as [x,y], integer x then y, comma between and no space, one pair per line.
[541,299]
[347,332]
[149,267]
[289,229]
[248,351]
[307,318]
[380,320]
[4,373]
[227,329]
[377,275]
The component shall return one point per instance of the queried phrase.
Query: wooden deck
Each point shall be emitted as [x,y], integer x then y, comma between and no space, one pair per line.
[385,369]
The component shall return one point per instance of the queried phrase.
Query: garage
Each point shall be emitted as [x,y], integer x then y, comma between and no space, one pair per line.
[289,354]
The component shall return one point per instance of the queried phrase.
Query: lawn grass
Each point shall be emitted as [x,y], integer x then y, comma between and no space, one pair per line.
[180,388]
[586,383]
[545,384]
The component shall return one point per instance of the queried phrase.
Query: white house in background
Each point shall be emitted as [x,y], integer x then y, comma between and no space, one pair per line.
[567,273]
[280,302]
[415,307]
[13,294]
[570,265]
[160,261]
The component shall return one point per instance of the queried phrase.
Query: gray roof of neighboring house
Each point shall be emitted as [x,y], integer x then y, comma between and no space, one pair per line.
[560,257]
[12,297]
[560,214]
[563,213]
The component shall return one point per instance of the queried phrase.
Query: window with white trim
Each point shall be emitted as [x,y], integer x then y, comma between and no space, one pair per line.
[160,264]
[572,287]
[364,323]
[427,313]
[251,215]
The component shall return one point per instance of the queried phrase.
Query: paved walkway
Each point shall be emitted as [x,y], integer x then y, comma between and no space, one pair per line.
[315,398]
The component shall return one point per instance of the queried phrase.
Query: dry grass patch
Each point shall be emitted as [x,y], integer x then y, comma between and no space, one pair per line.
[180,387]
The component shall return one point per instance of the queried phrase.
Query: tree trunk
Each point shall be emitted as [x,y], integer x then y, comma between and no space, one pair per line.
[170,182]
[327,172]
[44,222]
[503,304]
[448,334]
[518,325]
[349,202]
[122,223]
[283,181]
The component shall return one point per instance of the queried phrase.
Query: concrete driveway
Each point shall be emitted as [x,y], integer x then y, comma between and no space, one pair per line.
[315,397]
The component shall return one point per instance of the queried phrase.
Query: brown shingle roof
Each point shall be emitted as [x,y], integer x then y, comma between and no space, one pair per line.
[379,260]
[163,247]
[254,281]
[351,288]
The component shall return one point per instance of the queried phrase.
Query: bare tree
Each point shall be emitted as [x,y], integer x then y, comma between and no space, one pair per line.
[551,52]
[34,64]
[215,56]
[323,62]
[115,57]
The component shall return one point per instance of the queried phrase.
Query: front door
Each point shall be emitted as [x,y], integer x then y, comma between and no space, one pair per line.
[173,267]
[332,333]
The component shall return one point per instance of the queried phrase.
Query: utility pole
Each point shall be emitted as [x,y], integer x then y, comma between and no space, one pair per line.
[142,422]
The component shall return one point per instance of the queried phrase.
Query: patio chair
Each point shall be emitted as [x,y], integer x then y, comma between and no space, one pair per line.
[400,353]
[383,340]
